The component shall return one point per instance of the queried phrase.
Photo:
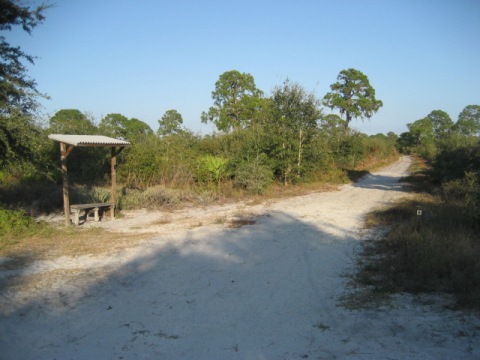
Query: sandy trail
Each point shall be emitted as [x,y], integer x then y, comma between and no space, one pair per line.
[270,290]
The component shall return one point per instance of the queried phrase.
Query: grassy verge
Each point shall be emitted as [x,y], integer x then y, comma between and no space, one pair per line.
[437,251]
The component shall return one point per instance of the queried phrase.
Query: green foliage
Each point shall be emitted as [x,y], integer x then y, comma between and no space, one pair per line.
[469,121]
[90,165]
[136,130]
[254,176]
[430,135]
[455,159]
[141,164]
[179,155]
[235,100]
[119,126]
[14,223]
[291,128]
[438,251]
[352,150]
[212,169]
[113,125]
[465,194]
[406,143]
[283,138]
[422,137]
[25,151]
[392,137]
[18,92]
[170,160]
[85,165]
[72,121]
[170,123]
[456,167]
[442,124]
[20,172]
[353,96]
[328,141]
[380,146]
[18,138]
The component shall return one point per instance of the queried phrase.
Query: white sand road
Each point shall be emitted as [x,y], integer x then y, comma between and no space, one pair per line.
[269,290]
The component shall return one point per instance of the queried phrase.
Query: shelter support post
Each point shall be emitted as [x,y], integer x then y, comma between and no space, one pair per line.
[64,152]
[114,179]
[113,166]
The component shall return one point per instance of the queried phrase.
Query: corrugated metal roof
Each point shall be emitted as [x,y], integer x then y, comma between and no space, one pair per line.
[88,140]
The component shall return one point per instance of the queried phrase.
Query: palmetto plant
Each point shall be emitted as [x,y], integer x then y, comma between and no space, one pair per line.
[215,168]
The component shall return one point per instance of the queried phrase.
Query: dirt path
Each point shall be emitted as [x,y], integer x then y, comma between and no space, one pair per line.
[268,290]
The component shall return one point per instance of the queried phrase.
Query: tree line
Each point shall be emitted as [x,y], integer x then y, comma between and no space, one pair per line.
[285,137]
[437,131]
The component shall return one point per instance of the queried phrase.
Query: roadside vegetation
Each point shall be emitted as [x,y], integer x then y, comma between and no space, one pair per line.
[438,248]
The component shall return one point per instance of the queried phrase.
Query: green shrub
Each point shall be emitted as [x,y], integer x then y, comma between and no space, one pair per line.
[20,172]
[254,177]
[15,224]
[351,150]
[455,160]
[465,194]
[212,169]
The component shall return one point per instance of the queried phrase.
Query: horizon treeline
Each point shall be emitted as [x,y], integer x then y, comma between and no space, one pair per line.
[285,138]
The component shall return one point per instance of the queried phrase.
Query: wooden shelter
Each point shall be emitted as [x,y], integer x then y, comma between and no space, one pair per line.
[67,144]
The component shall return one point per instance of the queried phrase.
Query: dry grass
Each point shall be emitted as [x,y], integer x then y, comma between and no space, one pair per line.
[437,251]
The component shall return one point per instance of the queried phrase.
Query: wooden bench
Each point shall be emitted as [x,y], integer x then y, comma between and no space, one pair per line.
[76,209]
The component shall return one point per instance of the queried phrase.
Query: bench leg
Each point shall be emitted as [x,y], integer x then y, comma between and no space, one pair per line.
[95,213]
[76,217]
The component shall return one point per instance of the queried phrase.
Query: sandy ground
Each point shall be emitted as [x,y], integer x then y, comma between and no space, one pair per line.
[201,288]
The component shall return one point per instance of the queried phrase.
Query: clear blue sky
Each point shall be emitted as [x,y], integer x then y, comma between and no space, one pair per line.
[141,58]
